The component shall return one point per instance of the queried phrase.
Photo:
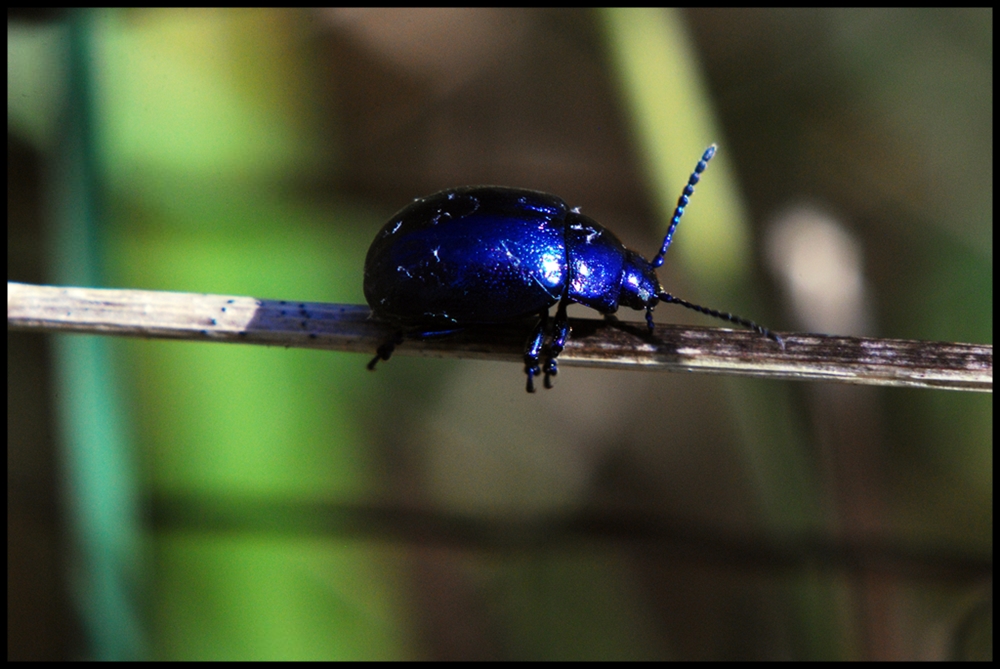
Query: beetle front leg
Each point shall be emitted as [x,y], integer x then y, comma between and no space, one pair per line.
[533,350]
[560,332]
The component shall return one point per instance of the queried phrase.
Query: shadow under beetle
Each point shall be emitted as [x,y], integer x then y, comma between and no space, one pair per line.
[486,254]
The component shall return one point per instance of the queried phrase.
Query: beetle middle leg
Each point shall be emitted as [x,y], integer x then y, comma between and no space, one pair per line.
[560,332]
[533,350]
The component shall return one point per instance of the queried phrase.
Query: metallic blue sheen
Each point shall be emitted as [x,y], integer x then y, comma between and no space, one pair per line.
[481,255]
[468,255]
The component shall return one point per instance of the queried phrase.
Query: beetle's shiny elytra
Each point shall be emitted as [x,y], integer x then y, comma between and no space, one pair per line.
[486,254]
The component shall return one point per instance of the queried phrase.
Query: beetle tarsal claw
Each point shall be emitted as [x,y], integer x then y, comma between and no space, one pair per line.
[551,369]
[531,372]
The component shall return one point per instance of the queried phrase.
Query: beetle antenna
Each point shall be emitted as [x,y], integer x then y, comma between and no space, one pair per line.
[682,202]
[667,297]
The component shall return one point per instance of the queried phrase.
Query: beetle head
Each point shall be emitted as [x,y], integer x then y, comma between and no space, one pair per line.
[640,287]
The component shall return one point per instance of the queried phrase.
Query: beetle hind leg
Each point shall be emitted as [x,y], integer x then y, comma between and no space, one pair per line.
[384,351]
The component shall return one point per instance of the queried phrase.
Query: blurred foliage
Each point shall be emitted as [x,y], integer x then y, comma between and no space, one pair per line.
[257,152]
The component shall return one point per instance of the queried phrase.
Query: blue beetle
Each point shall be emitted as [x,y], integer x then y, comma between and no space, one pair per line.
[486,254]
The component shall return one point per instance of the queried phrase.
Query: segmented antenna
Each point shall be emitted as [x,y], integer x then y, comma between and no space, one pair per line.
[682,202]
[724,315]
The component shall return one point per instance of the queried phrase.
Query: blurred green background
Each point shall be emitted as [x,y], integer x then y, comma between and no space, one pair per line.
[200,501]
